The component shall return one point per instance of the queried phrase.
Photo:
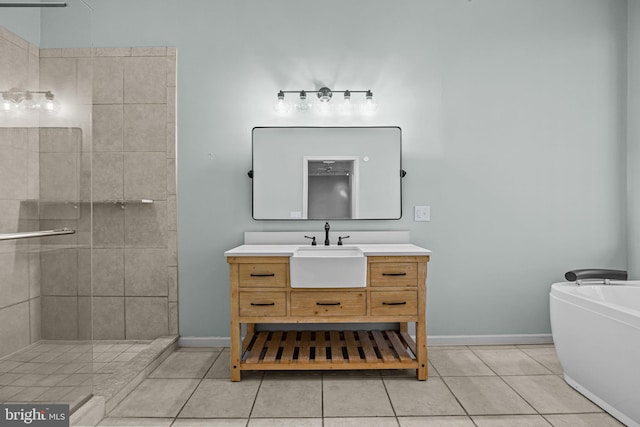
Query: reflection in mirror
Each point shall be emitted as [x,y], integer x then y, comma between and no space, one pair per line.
[326,173]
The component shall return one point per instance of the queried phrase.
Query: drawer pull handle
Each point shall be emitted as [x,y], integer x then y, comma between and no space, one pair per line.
[262,304]
[262,274]
[394,274]
[328,303]
[394,302]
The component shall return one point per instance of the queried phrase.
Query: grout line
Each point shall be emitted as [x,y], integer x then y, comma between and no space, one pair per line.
[255,399]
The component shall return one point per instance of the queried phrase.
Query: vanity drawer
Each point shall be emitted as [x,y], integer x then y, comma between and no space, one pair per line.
[328,303]
[263,275]
[394,302]
[394,274]
[263,304]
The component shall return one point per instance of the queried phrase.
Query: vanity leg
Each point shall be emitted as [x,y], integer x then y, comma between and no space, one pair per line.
[236,343]
[421,347]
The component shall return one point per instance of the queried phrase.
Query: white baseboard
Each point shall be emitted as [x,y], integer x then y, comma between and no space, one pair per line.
[431,340]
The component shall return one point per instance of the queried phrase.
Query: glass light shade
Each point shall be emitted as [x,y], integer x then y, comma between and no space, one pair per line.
[369,106]
[324,108]
[281,106]
[347,108]
[7,106]
[50,106]
[303,105]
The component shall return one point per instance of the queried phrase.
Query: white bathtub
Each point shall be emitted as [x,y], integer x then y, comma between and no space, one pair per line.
[596,331]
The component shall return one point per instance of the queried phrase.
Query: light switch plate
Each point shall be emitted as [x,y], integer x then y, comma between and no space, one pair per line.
[422,213]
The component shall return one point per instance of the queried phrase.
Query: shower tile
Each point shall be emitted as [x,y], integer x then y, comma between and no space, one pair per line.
[550,394]
[145,126]
[14,75]
[84,88]
[112,51]
[85,319]
[59,270]
[14,174]
[85,178]
[145,272]
[583,420]
[139,422]
[33,64]
[173,248]
[108,176]
[108,272]
[157,398]
[59,176]
[511,362]
[145,176]
[50,52]
[13,38]
[171,71]
[148,51]
[14,329]
[60,140]
[172,213]
[14,271]
[171,140]
[172,283]
[487,396]
[58,75]
[171,176]
[59,318]
[145,80]
[84,272]
[35,319]
[61,240]
[108,225]
[33,175]
[172,51]
[510,421]
[411,397]
[108,315]
[435,422]
[59,210]
[173,318]
[146,317]
[221,399]
[171,104]
[108,127]
[145,225]
[76,52]
[108,80]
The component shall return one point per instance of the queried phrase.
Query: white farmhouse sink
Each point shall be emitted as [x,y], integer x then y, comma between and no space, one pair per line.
[328,267]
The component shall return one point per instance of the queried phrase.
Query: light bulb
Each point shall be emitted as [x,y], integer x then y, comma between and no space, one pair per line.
[324,108]
[303,105]
[281,106]
[7,104]
[50,105]
[369,106]
[347,106]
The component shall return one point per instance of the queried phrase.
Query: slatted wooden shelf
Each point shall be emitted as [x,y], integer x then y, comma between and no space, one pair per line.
[294,350]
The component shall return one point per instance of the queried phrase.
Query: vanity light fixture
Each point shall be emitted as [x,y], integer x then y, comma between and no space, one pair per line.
[325,106]
[14,100]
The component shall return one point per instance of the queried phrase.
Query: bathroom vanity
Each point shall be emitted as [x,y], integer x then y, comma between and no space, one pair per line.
[393,290]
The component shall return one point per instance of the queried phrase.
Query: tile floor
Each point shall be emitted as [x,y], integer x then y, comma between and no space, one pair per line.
[481,386]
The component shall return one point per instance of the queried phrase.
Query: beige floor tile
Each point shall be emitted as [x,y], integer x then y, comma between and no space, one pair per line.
[583,420]
[523,346]
[286,422]
[493,347]
[549,394]
[431,397]
[510,421]
[156,398]
[458,363]
[289,397]
[432,372]
[220,368]
[221,398]
[131,422]
[210,422]
[487,396]
[185,364]
[511,362]
[361,422]
[354,397]
[435,422]
[546,356]
[211,349]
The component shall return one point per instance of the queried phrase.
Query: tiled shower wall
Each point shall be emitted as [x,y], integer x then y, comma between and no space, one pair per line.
[134,151]
[19,187]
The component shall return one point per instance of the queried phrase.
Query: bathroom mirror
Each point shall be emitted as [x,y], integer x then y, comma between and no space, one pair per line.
[323,173]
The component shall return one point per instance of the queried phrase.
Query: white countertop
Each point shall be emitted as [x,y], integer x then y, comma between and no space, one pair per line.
[386,249]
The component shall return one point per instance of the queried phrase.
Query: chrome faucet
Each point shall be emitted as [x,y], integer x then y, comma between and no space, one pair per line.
[326,233]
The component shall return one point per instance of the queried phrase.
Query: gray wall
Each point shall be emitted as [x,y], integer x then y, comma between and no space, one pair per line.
[633,140]
[513,131]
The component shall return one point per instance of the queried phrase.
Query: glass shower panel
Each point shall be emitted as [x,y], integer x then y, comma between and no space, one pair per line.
[46,351]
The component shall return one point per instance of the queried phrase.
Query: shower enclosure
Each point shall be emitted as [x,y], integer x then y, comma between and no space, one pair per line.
[46,351]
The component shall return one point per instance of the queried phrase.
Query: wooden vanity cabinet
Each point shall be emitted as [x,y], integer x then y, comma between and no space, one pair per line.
[261,293]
